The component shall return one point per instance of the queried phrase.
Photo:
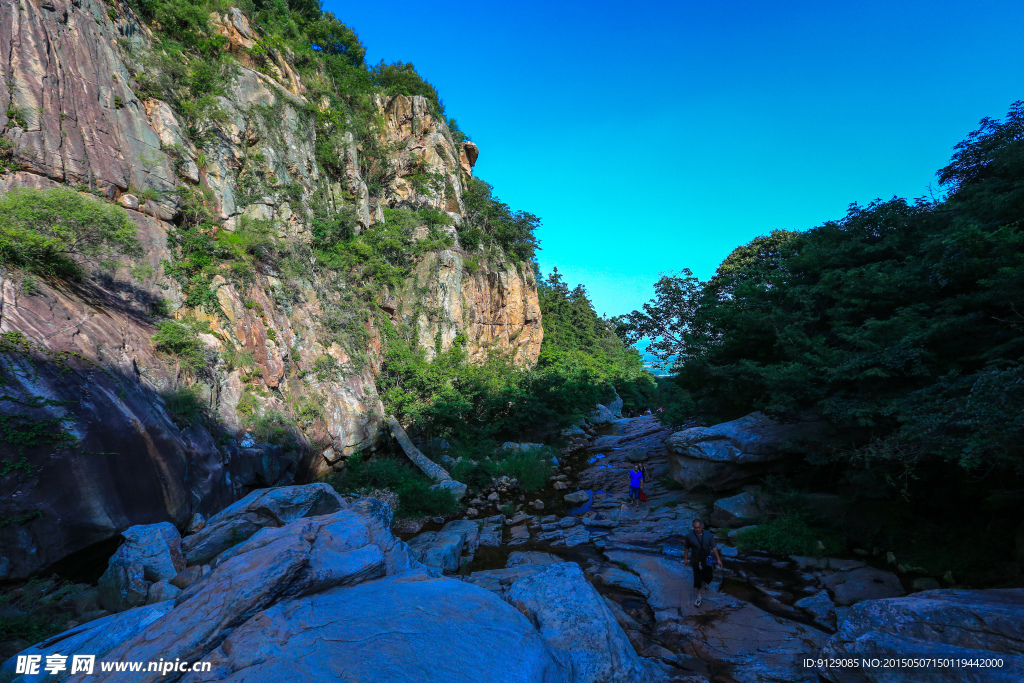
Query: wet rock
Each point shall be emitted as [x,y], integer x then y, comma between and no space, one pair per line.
[968,624]
[519,519]
[737,511]
[726,455]
[260,509]
[577,498]
[162,591]
[577,625]
[865,583]
[821,607]
[490,534]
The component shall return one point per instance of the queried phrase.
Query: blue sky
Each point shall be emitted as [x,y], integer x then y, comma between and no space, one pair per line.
[653,136]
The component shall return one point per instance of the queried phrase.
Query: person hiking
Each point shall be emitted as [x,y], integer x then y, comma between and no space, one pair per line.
[705,555]
[636,480]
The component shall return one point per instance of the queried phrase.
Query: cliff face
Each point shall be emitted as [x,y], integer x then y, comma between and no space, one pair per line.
[80,356]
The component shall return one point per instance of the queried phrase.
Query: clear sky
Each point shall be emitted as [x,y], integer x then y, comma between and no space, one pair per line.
[652,136]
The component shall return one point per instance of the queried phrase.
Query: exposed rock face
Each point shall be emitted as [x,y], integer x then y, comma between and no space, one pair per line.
[75,119]
[968,624]
[337,596]
[726,455]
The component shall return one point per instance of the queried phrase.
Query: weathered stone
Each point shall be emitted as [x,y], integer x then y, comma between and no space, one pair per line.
[260,509]
[560,486]
[602,416]
[821,607]
[577,625]
[196,523]
[726,455]
[577,497]
[537,504]
[162,591]
[457,488]
[963,624]
[440,549]
[123,586]
[865,583]
[189,575]
[738,511]
[156,547]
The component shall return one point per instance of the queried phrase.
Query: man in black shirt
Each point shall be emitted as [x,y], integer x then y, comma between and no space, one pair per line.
[705,556]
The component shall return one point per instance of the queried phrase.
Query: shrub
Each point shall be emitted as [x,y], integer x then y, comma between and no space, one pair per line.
[790,534]
[185,406]
[182,342]
[52,232]
[416,499]
[32,612]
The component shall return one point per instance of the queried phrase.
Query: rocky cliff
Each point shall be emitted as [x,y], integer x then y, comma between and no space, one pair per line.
[287,342]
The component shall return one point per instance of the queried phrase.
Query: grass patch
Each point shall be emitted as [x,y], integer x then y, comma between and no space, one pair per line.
[31,611]
[182,342]
[530,468]
[790,534]
[415,497]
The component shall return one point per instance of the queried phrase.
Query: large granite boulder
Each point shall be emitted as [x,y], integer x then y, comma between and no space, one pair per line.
[442,549]
[726,455]
[862,583]
[737,511]
[157,547]
[577,625]
[961,624]
[260,509]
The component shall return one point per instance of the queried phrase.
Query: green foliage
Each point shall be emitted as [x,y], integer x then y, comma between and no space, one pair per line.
[181,342]
[52,232]
[7,155]
[479,406]
[185,406]
[399,78]
[790,534]
[14,114]
[415,497]
[576,338]
[21,430]
[530,468]
[901,318]
[491,223]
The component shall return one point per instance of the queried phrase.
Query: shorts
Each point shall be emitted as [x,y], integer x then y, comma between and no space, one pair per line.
[703,574]
[634,492]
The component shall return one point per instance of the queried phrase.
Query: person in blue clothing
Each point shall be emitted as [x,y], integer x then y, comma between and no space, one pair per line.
[636,480]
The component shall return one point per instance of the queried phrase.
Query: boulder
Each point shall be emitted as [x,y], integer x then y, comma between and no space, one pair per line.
[728,454]
[395,629]
[577,625]
[736,511]
[123,586]
[162,591]
[457,488]
[156,547]
[189,575]
[441,550]
[614,577]
[260,509]
[602,416]
[615,405]
[821,607]
[864,583]
[636,455]
[950,623]
[577,497]
[560,486]
[573,431]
